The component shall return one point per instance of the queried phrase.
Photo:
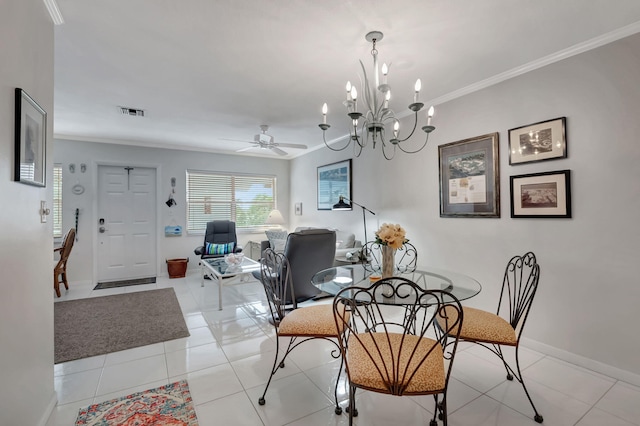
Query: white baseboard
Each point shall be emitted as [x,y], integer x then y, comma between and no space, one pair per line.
[47,412]
[597,366]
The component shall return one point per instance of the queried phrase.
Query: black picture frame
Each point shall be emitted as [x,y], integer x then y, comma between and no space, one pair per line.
[30,140]
[334,180]
[470,177]
[541,195]
[545,140]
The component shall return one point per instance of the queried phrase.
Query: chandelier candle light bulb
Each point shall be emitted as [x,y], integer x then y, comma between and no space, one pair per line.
[429,115]
[385,71]
[418,86]
[324,113]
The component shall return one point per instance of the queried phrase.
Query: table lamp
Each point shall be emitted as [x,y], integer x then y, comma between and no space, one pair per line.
[274,218]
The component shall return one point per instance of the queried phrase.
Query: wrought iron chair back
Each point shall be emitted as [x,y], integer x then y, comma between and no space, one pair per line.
[276,279]
[519,286]
[406,259]
[398,349]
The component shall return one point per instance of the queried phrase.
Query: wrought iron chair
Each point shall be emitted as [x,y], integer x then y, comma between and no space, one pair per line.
[297,324]
[493,331]
[398,350]
[60,270]
[406,257]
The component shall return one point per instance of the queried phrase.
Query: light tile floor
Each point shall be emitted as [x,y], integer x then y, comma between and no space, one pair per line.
[229,353]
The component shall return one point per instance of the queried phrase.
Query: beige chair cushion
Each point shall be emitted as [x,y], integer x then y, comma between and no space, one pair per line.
[483,326]
[310,321]
[429,378]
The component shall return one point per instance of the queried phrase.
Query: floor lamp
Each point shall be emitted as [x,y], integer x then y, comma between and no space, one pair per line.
[341,205]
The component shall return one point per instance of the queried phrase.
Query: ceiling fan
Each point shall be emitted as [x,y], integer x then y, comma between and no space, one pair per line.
[265,141]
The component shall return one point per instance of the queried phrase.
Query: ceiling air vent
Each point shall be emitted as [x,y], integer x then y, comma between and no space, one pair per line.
[132,111]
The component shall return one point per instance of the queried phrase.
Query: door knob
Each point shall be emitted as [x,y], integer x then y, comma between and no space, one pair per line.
[102,229]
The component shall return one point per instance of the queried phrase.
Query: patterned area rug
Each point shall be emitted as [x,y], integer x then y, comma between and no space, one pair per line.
[168,405]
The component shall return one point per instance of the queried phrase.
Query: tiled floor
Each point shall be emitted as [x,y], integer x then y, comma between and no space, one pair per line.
[229,353]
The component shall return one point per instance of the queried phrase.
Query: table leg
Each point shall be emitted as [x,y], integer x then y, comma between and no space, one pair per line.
[201,275]
[220,293]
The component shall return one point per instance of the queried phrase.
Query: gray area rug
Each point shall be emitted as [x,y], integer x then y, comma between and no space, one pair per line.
[100,325]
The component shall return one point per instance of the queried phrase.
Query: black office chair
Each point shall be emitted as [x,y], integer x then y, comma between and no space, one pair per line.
[219,239]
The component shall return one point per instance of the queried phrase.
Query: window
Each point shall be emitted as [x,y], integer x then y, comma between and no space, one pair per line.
[244,199]
[57,200]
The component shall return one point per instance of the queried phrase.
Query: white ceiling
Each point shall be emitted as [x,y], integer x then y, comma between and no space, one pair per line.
[206,70]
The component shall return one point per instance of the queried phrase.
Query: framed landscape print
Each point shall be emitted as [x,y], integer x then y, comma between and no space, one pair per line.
[30,140]
[538,142]
[469,177]
[334,180]
[543,195]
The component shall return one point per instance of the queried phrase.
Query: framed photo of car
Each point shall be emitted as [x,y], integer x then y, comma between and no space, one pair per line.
[541,195]
[546,140]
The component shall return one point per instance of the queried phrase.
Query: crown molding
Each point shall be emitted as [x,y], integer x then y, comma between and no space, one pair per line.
[54,11]
[585,46]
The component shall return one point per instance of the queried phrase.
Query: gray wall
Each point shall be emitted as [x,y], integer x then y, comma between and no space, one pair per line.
[169,163]
[589,293]
[26,252]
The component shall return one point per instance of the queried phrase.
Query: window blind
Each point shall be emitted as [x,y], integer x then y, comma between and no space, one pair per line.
[57,201]
[244,199]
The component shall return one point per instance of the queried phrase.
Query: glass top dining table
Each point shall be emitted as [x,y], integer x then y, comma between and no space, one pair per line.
[332,280]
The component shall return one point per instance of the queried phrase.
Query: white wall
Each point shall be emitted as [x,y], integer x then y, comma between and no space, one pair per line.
[587,301]
[170,163]
[26,252]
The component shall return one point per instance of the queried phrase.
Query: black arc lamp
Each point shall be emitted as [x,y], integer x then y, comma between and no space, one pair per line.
[342,205]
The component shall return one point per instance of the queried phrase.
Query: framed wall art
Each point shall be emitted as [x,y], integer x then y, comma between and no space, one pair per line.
[470,178]
[30,140]
[334,180]
[541,141]
[541,195]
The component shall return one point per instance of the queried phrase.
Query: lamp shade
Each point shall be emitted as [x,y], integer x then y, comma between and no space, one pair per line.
[341,205]
[274,218]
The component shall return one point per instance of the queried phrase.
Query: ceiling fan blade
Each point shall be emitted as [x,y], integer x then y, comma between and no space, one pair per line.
[278,150]
[293,145]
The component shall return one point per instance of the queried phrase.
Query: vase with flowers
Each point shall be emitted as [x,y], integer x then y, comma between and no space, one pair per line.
[390,237]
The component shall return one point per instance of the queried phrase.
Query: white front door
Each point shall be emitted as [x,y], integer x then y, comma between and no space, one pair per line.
[126,223]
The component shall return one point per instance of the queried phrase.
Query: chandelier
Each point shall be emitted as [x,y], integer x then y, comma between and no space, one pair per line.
[378,115]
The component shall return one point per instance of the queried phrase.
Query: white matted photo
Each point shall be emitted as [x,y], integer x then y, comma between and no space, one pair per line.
[541,141]
[541,195]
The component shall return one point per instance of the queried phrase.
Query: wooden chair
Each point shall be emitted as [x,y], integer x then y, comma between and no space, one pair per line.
[398,350]
[504,328]
[60,270]
[299,325]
